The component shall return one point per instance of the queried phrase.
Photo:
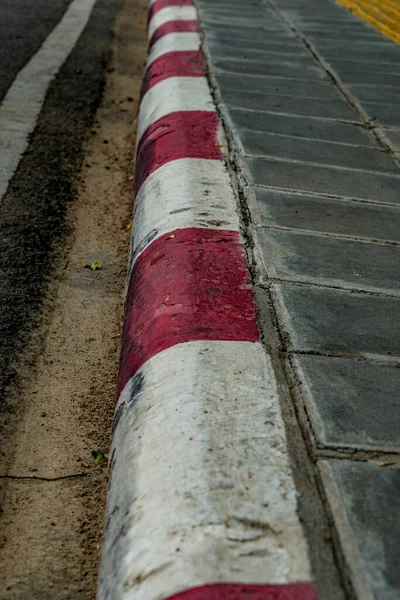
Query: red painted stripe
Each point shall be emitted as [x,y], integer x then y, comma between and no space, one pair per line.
[185,134]
[237,591]
[160,4]
[173,27]
[188,63]
[192,284]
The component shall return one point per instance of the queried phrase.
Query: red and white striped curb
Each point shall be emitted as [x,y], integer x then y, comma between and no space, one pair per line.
[201,502]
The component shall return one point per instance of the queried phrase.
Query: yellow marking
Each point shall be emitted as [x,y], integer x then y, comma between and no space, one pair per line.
[384,15]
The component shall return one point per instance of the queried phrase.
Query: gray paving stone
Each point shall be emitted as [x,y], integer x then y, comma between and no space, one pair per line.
[330,22]
[342,52]
[369,497]
[236,15]
[332,321]
[394,136]
[230,10]
[325,260]
[386,114]
[356,46]
[312,107]
[368,76]
[276,85]
[263,68]
[274,44]
[368,93]
[343,29]
[322,179]
[234,23]
[360,61]
[351,403]
[315,151]
[347,46]
[285,55]
[325,215]
[364,36]
[257,32]
[297,126]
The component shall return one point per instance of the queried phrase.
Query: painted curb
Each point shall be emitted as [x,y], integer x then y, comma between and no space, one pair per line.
[201,501]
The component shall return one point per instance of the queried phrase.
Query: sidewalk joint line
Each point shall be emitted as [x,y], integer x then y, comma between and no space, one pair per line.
[324,195]
[339,236]
[304,283]
[324,165]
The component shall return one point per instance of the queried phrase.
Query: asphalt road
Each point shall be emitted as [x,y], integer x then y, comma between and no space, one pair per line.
[33,208]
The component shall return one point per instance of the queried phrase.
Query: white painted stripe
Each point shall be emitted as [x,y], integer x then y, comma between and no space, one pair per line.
[201,489]
[172,95]
[173,42]
[190,192]
[23,101]
[171,13]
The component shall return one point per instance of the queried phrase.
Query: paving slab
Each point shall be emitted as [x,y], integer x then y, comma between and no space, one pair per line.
[364,501]
[224,41]
[341,53]
[333,216]
[259,31]
[332,321]
[382,79]
[351,403]
[249,24]
[317,151]
[337,37]
[291,105]
[275,85]
[230,11]
[325,260]
[368,93]
[297,126]
[376,62]
[394,136]
[323,179]
[241,52]
[262,68]
[286,56]
[374,44]
[364,76]
[385,114]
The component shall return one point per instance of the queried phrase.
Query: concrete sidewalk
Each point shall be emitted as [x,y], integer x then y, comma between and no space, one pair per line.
[309,95]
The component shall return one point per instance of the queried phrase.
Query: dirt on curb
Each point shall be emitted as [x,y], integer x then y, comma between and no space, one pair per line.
[52,493]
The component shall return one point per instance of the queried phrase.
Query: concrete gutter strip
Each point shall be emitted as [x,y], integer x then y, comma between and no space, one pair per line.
[201,504]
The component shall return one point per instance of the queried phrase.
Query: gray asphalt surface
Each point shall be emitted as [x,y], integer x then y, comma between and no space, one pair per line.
[33,211]
[24,25]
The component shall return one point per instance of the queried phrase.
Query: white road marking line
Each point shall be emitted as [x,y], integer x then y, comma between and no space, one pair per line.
[200,465]
[23,102]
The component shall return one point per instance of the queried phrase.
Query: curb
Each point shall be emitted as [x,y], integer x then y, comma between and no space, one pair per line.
[201,501]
